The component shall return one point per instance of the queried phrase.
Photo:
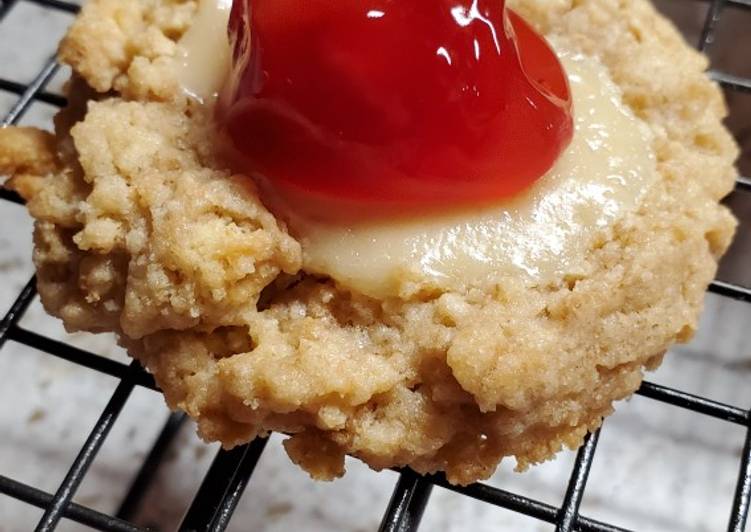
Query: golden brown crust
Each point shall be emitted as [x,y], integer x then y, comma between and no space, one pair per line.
[147,236]
[127,46]
[26,150]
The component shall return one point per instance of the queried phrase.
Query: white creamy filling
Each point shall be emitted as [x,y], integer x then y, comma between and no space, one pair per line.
[539,236]
[203,52]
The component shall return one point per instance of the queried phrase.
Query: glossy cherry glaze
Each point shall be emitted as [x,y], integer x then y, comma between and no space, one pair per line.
[392,103]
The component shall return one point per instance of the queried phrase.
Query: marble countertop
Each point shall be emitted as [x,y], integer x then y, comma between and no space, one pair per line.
[657,468]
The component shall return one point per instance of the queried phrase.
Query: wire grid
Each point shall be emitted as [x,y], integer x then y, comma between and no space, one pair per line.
[230,472]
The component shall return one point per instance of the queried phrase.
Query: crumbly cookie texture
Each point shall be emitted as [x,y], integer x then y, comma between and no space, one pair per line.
[139,230]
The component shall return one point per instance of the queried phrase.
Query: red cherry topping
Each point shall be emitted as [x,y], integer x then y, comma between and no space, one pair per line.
[400,103]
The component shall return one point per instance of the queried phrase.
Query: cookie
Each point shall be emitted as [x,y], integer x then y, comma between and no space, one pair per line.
[141,230]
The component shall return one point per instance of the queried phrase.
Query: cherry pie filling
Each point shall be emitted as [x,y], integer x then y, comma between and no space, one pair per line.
[413,104]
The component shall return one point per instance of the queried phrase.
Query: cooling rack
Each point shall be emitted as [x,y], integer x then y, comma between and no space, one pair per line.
[231,471]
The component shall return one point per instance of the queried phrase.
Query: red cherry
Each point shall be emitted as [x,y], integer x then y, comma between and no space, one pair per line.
[393,103]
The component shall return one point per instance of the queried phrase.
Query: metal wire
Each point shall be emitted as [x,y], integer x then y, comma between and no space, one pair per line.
[222,487]
[742,499]
[141,482]
[28,95]
[81,357]
[575,492]
[710,22]
[73,511]
[407,504]
[56,508]
[224,483]
[236,485]
[694,403]
[17,309]
[521,504]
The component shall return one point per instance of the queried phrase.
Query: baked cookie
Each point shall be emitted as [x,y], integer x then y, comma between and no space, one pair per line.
[249,325]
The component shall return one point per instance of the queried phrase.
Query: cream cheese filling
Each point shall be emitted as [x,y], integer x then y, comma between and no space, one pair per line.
[203,52]
[538,236]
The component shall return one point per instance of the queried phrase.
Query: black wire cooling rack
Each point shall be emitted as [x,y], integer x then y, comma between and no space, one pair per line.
[230,472]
